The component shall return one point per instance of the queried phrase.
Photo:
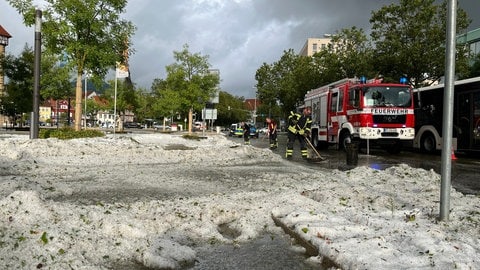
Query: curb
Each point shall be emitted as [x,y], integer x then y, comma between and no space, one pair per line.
[310,249]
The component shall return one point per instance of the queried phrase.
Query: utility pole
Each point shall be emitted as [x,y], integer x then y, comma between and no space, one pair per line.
[36,76]
[446,173]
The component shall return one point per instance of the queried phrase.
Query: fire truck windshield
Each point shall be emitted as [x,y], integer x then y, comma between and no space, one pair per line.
[387,96]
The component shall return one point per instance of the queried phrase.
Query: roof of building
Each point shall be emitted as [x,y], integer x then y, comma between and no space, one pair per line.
[469,37]
[4,32]
[250,103]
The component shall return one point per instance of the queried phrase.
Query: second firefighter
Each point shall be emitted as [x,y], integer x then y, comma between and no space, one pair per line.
[299,127]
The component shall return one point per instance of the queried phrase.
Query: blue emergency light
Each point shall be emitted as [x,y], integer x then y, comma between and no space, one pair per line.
[403,80]
[363,79]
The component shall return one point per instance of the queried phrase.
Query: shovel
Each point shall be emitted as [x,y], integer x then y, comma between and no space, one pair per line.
[318,157]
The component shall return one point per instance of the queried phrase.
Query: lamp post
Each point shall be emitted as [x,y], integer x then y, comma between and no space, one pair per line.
[36,75]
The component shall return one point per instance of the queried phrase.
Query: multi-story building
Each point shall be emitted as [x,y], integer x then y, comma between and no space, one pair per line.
[472,40]
[45,114]
[56,111]
[313,45]
[4,36]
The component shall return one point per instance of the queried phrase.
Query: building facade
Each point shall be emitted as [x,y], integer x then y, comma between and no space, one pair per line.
[314,45]
[4,36]
[472,40]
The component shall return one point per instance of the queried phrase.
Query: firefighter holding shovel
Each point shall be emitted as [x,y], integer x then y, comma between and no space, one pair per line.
[299,126]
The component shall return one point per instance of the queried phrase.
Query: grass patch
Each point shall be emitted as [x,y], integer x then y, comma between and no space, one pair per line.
[69,133]
[193,137]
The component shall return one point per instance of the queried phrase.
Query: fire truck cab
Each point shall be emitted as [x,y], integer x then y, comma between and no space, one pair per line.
[361,111]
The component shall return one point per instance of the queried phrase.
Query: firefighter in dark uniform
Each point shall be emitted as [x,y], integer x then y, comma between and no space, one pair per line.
[246,132]
[299,127]
[272,132]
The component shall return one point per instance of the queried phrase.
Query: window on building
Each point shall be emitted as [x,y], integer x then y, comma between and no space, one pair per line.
[474,48]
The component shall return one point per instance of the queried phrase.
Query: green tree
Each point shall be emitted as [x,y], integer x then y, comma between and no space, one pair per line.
[19,70]
[189,84]
[167,101]
[284,70]
[18,98]
[55,81]
[475,68]
[286,81]
[410,40]
[88,34]
[231,109]
[267,90]
[330,66]
[145,100]
[350,53]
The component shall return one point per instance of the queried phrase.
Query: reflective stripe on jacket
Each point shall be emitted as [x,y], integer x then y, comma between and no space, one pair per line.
[298,123]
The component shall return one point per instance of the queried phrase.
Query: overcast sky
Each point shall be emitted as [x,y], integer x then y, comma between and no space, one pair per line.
[237,35]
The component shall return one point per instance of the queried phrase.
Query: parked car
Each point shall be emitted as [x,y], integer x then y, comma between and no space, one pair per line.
[158,126]
[263,130]
[131,125]
[235,130]
[107,125]
[253,131]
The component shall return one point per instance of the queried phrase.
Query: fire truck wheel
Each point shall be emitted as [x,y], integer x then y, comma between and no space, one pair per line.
[428,143]
[314,140]
[319,145]
[344,140]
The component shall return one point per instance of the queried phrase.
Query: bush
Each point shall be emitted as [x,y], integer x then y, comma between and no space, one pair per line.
[69,133]
[192,137]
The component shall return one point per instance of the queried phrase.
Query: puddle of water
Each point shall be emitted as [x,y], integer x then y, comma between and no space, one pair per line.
[266,252]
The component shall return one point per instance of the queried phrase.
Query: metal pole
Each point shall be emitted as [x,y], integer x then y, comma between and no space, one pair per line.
[448,111]
[255,108]
[115,107]
[36,76]
[255,111]
[85,123]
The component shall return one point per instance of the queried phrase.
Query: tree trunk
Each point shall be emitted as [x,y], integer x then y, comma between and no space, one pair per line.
[78,103]
[190,118]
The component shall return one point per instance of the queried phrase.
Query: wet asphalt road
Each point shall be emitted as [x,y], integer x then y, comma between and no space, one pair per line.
[465,172]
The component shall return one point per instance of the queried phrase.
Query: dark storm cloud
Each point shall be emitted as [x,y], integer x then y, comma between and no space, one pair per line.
[237,35]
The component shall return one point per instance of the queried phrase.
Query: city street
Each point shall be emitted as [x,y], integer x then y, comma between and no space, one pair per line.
[465,173]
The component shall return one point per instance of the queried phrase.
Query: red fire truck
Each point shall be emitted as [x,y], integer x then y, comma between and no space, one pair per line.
[362,111]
